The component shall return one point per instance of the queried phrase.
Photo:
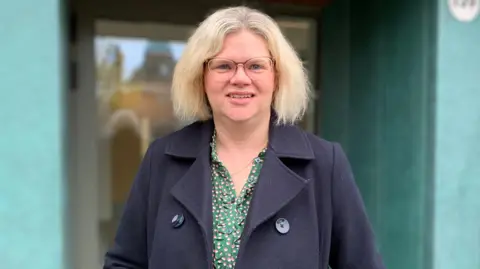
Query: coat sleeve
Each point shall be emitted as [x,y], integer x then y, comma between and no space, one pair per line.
[129,250]
[353,241]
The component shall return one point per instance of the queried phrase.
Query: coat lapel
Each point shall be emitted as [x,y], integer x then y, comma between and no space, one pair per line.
[277,184]
[194,189]
[194,192]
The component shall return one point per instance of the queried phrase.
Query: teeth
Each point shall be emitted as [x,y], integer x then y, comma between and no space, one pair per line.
[241,95]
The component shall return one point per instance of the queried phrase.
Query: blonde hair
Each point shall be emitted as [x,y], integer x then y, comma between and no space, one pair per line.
[292,95]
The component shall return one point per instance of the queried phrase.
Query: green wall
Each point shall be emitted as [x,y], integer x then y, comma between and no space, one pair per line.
[32,182]
[457,150]
[378,64]
[400,89]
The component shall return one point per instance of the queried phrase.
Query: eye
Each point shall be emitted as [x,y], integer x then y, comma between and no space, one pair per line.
[223,66]
[257,66]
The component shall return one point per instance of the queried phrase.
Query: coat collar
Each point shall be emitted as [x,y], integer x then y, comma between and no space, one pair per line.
[287,141]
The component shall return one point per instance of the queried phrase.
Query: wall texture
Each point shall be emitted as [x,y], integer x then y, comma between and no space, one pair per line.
[32,182]
[401,92]
[378,64]
[457,150]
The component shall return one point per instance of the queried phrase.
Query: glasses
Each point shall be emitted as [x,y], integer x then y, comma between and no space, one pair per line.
[252,67]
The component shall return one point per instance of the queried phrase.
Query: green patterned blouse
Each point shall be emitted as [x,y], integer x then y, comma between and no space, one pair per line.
[229,211]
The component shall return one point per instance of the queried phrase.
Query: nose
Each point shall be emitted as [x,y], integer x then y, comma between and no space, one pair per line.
[240,77]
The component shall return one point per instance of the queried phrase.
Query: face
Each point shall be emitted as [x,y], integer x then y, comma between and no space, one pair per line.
[240,80]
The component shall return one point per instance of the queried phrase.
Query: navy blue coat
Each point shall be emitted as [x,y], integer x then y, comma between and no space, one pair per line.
[304,179]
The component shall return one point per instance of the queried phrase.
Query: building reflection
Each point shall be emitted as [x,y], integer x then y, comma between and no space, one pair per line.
[132,112]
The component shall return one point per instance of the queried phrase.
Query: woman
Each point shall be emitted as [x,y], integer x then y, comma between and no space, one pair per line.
[242,187]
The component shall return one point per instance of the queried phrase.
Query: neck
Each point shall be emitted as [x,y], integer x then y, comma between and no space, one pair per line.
[251,135]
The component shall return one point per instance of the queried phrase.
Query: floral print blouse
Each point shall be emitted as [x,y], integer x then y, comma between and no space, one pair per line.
[229,211]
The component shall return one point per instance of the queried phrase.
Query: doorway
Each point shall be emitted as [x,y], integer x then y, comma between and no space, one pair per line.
[134,67]
[122,103]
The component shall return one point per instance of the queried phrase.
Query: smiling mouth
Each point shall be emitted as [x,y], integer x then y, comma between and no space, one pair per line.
[240,96]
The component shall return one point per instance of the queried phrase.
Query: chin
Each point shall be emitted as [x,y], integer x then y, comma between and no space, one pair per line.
[239,117]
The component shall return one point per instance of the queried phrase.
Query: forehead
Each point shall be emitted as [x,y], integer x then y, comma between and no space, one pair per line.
[243,45]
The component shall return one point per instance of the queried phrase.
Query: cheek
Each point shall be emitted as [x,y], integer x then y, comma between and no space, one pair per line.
[211,86]
[267,85]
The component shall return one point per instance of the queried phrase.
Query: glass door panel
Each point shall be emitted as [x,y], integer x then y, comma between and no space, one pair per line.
[134,66]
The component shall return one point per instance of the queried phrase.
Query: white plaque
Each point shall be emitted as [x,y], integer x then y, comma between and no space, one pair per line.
[464,10]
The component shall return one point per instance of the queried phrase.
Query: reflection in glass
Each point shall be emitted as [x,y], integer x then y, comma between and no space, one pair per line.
[133,94]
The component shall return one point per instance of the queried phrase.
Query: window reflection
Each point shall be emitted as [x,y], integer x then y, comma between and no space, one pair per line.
[134,78]
[133,94]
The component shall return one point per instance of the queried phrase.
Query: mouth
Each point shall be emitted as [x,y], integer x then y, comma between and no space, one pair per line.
[240,95]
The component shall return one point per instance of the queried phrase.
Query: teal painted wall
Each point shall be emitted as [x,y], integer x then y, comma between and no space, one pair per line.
[32,149]
[377,86]
[457,151]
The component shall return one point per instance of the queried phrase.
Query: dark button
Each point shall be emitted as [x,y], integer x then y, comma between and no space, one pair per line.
[282,225]
[178,220]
